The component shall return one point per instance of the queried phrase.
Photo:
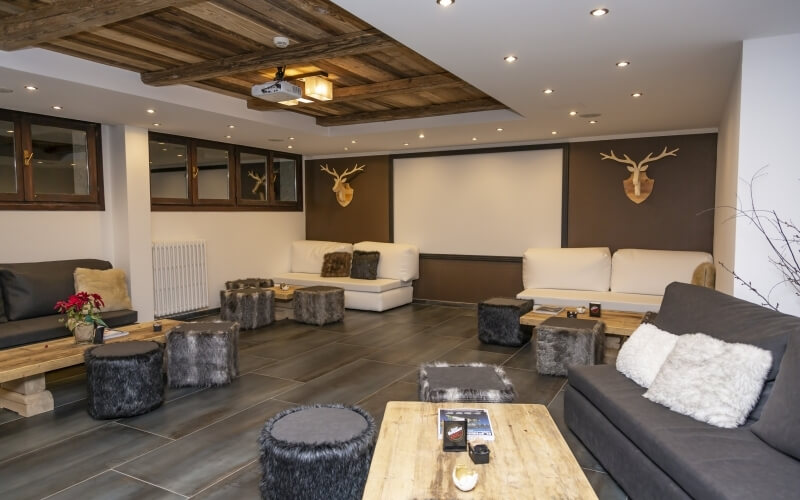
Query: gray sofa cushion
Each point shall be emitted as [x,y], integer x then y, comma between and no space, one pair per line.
[707,462]
[365,265]
[3,317]
[32,289]
[28,331]
[778,424]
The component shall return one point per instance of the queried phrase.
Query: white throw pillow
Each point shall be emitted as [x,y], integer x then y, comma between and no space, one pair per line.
[642,355]
[710,380]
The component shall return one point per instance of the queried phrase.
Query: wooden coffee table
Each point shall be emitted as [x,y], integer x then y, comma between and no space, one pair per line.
[22,369]
[529,457]
[618,323]
[284,302]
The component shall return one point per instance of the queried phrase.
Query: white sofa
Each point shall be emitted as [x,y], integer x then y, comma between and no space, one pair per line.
[398,266]
[631,280]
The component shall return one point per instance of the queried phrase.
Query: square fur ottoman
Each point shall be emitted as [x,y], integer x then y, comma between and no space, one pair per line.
[498,321]
[561,342]
[469,383]
[202,354]
[319,305]
[250,307]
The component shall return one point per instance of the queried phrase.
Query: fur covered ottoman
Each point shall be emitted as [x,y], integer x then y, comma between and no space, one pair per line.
[561,342]
[319,305]
[470,383]
[124,379]
[249,283]
[202,354]
[250,307]
[316,452]
[498,321]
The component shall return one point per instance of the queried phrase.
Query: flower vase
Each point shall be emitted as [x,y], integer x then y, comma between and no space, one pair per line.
[83,333]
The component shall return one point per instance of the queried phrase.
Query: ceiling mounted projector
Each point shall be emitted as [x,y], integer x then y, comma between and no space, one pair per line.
[277,91]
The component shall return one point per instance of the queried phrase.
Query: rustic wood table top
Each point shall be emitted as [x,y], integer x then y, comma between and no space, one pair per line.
[529,457]
[42,357]
[620,323]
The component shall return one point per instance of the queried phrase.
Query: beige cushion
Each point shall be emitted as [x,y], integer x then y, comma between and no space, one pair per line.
[650,271]
[567,268]
[109,284]
[397,260]
[307,255]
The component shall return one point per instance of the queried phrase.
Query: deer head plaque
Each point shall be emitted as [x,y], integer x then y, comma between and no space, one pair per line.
[344,193]
[638,186]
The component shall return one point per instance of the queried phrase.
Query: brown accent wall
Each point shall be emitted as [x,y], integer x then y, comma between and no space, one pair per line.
[678,214]
[366,218]
[466,280]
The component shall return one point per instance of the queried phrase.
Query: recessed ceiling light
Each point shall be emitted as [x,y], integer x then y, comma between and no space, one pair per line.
[57,108]
[353,141]
[231,126]
[405,144]
[548,91]
[573,113]
[39,162]
[180,155]
[346,148]
[151,111]
[31,88]
[291,138]
[637,94]
[421,135]
[599,12]
[592,121]
[499,129]
[554,132]
[163,149]
[510,58]
[156,124]
[445,3]
[161,143]
[227,137]
[474,138]
[10,131]
[623,64]
[290,146]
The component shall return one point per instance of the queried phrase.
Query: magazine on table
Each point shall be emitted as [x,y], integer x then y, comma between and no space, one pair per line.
[545,309]
[112,334]
[478,424]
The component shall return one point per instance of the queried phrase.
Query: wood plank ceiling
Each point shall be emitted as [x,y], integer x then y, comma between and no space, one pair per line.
[226,46]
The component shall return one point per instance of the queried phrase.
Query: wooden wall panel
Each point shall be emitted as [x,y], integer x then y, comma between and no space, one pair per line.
[467,280]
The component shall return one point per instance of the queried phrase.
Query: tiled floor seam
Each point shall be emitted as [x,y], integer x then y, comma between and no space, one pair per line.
[75,484]
[48,445]
[143,430]
[226,476]
[151,484]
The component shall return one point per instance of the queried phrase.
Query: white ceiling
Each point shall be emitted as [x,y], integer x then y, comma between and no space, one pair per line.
[683,55]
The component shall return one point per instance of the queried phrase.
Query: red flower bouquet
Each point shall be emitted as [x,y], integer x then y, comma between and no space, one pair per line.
[82,307]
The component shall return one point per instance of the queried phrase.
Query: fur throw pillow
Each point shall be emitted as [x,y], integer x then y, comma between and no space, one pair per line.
[336,265]
[365,265]
[110,284]
[710,380]
[641,356]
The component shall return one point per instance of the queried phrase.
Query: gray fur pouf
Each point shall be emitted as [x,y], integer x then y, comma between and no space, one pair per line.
[498,321]
[319,305]
[124,379]
[316,452]
[561,342]
[250,307]
[203,354]
[468,382]
[249,283]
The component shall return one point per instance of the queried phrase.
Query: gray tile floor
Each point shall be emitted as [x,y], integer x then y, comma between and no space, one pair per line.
[202,443]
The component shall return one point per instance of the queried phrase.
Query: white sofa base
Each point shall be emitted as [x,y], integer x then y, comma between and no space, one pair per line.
[366,295]
[614,301]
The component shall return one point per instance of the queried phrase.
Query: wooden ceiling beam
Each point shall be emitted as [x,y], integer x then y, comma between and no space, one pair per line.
[450,108]
[339,46]
[68,17]
[396,87]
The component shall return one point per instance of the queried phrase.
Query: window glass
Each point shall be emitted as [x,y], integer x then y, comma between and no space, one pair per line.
[284,173]
[168,170]
[8,166]
[213,180]
[253,176]
[60,160]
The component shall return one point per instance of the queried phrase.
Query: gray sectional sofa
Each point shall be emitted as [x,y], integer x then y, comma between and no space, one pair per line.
[654,453]
[28,293]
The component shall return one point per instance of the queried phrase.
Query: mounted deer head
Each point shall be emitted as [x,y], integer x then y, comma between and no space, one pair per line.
[344,193]
[638,186]
[259,182]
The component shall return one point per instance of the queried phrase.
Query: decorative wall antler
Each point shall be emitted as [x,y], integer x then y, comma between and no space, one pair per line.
[259,182]
[638,186]
[344,193]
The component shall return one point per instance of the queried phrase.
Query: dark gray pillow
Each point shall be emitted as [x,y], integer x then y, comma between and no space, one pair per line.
[365,265]
[336,265]
[778,423]
[3,317]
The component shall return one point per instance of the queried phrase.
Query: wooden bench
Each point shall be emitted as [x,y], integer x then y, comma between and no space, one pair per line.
[22,369]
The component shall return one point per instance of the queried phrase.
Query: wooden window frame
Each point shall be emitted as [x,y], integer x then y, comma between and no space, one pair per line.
[297,179]
[26,198]
[173,139]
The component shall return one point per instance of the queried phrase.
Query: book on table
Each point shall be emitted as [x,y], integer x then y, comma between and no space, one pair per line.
[112,334]
[545,309]
[478,424]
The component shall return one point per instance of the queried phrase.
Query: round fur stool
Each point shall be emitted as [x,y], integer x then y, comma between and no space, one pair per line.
[315,452]
[124,379]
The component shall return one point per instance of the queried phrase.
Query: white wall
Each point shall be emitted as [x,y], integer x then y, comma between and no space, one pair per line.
[769,134]
[238,244]
[34,236]
[726,186]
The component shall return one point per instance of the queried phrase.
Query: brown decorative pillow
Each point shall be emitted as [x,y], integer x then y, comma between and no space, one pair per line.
[336,265]
[365,265]
[110,284]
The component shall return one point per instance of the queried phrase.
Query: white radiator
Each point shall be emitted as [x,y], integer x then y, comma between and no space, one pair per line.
[180,277]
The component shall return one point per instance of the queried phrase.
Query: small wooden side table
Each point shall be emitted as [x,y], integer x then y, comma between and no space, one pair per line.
[618,323]
[284,302]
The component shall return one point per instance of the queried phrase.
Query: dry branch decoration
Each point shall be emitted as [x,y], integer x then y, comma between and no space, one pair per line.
[638,186]
[344,193]
[782,236]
